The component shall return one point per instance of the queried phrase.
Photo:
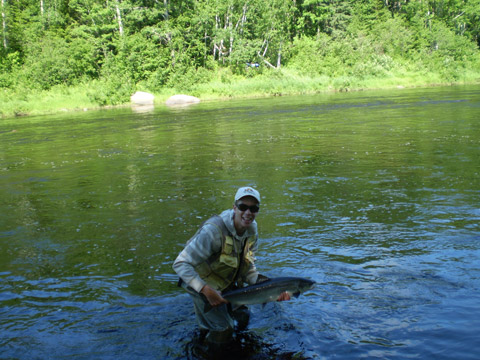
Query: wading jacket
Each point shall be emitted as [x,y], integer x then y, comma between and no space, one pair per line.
[217,256]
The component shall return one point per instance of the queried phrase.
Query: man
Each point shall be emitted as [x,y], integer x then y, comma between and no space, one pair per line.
[219,257]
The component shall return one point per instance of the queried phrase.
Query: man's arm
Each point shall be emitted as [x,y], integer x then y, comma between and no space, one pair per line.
[207,242]
[252,276]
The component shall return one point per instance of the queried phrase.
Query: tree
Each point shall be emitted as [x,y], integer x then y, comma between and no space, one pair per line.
[469,21]
[176,43]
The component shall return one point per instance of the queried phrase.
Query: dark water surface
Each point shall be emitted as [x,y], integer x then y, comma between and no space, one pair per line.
[374,195]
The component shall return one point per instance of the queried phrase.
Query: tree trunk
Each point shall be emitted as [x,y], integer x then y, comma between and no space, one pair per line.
[266,62]
[215,46]
[262,56]
[244,18]
[220,52]
[4,24]
[165,2]
[119,18]
[279,58]
[228,25]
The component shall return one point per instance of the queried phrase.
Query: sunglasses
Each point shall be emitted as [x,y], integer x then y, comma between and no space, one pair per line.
[253,208]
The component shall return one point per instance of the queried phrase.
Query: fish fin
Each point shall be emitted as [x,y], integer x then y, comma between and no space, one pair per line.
[296,294]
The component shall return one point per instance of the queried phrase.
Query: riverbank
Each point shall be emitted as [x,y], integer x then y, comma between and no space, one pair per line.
[223,86]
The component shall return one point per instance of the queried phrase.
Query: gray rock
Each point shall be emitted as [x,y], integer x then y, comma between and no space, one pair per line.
[142,98]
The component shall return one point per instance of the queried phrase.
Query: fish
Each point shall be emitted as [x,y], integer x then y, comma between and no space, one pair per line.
[265,291]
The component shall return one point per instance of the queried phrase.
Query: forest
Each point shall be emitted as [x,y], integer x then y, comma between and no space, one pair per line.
[99,52]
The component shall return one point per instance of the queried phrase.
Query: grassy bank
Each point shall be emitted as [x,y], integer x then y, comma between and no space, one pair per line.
[223,85]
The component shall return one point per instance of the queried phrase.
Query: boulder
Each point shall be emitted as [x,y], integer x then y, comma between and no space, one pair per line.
[142,98]
[182,100]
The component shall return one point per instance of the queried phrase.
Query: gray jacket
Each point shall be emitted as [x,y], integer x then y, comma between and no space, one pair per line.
[206,242]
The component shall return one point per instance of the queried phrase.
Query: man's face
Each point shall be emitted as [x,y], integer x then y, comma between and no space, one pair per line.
[244,213]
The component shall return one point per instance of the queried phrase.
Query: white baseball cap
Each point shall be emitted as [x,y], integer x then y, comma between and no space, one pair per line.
[247,191]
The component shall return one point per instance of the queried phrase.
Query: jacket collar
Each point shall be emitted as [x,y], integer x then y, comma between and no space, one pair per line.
[227,217]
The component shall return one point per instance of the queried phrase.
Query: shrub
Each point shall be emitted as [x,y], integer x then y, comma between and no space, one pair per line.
[115,85]
[52,60]
[392,37]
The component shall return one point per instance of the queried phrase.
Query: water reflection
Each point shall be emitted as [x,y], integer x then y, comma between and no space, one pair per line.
[143,109]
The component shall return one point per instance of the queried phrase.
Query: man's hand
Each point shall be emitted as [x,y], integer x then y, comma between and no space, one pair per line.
[213,296]
[284,296]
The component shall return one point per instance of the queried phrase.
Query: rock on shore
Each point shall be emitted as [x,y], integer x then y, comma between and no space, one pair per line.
[142,98]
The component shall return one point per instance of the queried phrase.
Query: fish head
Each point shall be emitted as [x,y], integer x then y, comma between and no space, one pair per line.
[306,284]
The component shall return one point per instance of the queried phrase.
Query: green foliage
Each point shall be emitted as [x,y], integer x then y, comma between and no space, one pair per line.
[445,43]
[186,79]
[10,64]
[392,37]
[447,53]
[308,55]
[324,55]
[468,23]
[138,57]
[245,53]
[115,84]
[113,91]
[52,61]
[324,16]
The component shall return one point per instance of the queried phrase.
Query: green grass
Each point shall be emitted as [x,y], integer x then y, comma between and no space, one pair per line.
[58,99]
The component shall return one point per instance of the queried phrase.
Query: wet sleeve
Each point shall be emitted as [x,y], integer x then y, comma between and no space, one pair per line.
[208,241]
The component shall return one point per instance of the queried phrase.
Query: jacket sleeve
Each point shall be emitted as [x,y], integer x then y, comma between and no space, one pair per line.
[252,273]
[205,243]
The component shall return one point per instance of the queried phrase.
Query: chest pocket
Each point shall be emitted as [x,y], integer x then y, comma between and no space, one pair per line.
[229,255]
[249,257]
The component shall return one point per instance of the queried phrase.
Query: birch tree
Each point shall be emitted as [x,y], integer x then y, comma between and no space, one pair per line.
[4,24]
[119,17]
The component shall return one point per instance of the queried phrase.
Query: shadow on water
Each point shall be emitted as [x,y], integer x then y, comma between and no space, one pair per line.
[245,345]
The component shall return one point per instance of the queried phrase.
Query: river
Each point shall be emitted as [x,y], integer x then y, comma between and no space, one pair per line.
[374,195]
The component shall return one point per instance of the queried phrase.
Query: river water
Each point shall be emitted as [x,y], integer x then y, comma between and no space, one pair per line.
[374,195]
